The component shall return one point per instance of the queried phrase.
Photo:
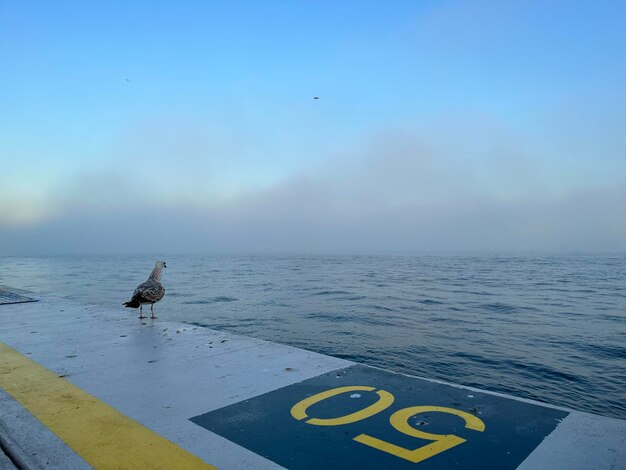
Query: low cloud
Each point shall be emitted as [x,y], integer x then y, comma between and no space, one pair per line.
[307,215]
[284,222]
[472,189]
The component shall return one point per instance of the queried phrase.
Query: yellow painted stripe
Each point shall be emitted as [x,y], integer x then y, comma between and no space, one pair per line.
[97,432]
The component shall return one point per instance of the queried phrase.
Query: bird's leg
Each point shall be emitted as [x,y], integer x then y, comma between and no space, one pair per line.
[141,311]
[152,311]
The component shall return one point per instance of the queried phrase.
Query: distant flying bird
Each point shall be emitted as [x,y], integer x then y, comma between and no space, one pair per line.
[127,79]
[316,97]
[148,292]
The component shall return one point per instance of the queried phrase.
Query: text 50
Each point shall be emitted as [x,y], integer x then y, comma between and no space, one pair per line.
[399,420]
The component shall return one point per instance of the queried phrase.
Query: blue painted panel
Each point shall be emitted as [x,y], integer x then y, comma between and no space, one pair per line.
[267,426]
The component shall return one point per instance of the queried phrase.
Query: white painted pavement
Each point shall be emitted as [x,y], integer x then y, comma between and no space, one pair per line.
[160,374]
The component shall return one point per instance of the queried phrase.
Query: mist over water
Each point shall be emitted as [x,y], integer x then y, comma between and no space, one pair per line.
[550,328]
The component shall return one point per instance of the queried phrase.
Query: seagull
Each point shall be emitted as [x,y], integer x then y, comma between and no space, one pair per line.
[316,97]
[148,292]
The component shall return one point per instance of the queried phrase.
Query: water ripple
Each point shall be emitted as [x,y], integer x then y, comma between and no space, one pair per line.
[550,328]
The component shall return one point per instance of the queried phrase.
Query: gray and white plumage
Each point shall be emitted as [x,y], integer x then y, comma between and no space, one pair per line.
[149,292]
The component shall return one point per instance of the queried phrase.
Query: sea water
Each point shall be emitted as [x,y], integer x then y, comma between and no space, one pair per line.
[550,328]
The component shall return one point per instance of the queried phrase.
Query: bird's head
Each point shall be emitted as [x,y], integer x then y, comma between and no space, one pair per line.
[161,264]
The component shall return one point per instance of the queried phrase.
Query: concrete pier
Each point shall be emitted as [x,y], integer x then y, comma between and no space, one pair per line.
[90,387]
[5,462]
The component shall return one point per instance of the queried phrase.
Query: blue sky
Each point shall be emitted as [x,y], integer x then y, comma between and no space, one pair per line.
[191,126]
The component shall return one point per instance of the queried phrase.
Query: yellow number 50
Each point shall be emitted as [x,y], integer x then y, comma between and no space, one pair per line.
[399,420]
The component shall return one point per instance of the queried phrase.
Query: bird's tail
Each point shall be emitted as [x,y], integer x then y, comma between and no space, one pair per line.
[132,304]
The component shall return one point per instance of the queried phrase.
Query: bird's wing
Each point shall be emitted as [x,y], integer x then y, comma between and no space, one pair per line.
[149,291]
